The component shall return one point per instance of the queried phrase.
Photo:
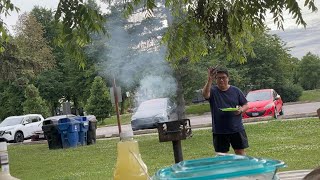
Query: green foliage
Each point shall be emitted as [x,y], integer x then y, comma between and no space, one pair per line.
[33,53]
[10,66]
[45,18]
[272,67]
[290,92]
[34,104]
[309,72]
[228,25]
[99,103]
[51,87]
[5,8]
[78,20]
[11,98]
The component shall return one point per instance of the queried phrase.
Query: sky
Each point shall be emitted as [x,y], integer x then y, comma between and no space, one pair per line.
[301,40]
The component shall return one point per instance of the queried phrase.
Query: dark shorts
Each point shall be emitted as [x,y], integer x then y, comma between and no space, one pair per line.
[221,142]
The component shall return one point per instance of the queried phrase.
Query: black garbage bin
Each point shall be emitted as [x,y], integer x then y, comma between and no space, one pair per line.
[91,133]
[51,132]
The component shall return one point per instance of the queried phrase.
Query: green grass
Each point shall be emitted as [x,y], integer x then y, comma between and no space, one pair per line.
[124,119]
[198,109]
[294,142]
[311,95]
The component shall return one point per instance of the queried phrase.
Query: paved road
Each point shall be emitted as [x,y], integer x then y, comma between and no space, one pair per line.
[289,110]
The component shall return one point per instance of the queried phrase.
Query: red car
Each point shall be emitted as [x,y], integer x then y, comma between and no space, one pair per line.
[263,102]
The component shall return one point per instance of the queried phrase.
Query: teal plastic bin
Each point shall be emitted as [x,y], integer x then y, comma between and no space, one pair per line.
[83,131]
[222,167]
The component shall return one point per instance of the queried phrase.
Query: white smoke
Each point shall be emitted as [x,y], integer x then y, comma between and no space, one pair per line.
[134,56]
[155,87]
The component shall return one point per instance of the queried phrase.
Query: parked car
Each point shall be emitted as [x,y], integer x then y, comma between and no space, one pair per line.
[39,135]
[198,97]
[264,102]
[150,112]
[19,128]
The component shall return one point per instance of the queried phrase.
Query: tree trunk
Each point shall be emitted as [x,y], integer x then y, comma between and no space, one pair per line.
[180,96]
[122,108]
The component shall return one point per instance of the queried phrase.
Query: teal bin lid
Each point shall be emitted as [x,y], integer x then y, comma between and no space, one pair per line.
[219,167]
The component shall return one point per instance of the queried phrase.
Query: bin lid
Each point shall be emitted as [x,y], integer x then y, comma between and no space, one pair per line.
[219,167]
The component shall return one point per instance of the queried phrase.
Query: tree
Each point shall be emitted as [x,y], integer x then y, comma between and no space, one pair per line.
[9,64]
[309,71]
[198,23]
[271,67]
[34,104]
[67,80]
[51,88]
[99,103]
[33,52]
[229,24]
[5,8]
[11,98]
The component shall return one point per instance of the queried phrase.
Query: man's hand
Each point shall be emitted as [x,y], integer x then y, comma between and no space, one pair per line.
[212,71]
[239,111]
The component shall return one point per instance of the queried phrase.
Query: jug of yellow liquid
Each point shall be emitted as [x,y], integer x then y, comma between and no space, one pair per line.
[4,161]
[129,163]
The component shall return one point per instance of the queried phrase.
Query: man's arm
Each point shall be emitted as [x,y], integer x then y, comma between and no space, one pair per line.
[206,89]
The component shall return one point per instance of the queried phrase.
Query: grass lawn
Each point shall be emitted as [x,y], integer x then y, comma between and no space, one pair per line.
[311,95]
[124,118]
[198,109]
[294,142]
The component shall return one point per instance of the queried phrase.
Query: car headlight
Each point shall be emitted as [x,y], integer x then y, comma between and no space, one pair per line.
[5,132]
[268,106]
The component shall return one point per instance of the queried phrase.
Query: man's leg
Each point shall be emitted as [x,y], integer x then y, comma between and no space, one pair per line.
[239,142]
[221,143]
[240,152]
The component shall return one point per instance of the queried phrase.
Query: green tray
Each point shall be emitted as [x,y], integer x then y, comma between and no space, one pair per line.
[229,109]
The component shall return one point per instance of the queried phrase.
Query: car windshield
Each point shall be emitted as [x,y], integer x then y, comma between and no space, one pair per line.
[11,121]
[258,96]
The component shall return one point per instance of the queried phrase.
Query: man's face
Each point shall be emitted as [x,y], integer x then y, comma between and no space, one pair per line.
[222,80]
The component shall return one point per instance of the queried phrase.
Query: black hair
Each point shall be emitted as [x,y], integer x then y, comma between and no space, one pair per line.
[223,70]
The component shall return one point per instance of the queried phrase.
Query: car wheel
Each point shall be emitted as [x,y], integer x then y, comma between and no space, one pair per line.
[18,137]
[281,112]
[275,113]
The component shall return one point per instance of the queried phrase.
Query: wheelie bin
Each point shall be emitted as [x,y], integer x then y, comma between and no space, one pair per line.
[84,125]
[69,131]
[91,135]
[51,133]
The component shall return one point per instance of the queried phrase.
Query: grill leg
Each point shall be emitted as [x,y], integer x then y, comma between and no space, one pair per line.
[177,150]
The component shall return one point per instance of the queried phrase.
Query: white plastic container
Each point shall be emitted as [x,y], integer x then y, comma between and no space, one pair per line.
[4,162]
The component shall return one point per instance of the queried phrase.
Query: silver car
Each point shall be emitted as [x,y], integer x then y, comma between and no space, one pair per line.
[150,112]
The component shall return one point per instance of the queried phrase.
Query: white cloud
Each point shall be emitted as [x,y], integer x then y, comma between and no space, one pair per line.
[301,40]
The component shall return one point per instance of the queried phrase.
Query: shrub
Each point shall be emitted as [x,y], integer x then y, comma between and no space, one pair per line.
[290,92]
